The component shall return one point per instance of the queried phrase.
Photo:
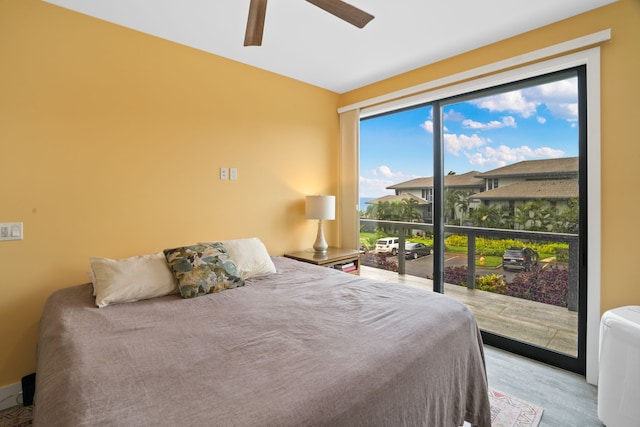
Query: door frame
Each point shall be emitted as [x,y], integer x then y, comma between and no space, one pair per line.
[590,57]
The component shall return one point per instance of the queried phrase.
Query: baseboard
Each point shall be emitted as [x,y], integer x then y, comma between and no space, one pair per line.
[9,394]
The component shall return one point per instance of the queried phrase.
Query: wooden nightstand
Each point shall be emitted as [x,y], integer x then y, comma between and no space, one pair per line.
[347,260]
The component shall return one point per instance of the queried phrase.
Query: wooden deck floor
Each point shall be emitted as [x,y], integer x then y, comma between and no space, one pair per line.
[533,322]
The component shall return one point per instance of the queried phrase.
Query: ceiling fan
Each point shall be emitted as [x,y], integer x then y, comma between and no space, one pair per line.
[344,11]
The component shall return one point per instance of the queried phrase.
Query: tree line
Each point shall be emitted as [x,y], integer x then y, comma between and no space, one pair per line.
[532,215]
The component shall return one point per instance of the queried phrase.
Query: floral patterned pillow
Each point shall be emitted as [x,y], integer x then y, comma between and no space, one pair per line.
[202,269]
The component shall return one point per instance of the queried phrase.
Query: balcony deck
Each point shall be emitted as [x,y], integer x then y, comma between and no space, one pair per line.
[540,324]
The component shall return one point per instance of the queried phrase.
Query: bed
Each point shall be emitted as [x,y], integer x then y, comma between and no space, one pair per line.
[304,346]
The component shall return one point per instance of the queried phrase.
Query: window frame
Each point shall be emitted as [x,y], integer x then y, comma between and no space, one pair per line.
[458,85]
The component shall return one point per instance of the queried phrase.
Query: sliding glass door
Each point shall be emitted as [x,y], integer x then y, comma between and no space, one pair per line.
[494,183]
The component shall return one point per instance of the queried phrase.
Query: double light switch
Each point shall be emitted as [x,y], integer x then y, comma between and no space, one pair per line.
[11,231]
[228,173]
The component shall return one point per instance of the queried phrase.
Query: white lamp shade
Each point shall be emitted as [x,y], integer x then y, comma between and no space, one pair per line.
[321,207]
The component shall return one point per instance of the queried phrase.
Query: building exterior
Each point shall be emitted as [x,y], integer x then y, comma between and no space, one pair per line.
[552,180]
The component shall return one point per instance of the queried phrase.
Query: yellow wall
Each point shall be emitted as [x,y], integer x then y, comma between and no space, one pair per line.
[620,93]
[110,145]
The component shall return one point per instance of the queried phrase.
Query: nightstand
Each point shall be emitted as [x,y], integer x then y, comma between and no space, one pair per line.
[347,260]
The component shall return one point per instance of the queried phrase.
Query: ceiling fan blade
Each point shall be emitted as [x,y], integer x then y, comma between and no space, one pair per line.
[255,23]
[344,11]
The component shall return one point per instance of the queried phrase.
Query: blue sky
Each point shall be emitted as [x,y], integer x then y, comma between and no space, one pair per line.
[538,122]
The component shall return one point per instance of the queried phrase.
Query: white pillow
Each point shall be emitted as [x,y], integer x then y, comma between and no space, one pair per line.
[92,277]
[131,279]
[251,257]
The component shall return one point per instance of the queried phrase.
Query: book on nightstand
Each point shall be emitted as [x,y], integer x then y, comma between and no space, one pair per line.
[346,267]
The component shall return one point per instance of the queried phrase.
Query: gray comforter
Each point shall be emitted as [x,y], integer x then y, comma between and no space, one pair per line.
[306,346]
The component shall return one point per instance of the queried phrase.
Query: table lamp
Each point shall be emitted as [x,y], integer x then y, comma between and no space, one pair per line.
[320,208]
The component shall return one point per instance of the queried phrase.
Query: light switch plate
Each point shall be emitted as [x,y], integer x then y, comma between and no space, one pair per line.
[11,231]
[233,173]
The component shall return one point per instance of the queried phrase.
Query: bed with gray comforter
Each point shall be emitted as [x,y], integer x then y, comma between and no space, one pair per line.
[306,346]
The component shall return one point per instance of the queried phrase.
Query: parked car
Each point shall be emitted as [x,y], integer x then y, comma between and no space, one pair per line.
[414,250]
[387,245]
[519,259]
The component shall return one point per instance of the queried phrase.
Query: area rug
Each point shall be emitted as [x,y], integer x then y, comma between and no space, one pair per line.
[506,411]
[509,411]
[18,416]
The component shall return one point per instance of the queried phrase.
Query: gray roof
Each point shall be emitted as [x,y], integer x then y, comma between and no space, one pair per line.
[566,167]
[397,198]
[465,180]
[557,189]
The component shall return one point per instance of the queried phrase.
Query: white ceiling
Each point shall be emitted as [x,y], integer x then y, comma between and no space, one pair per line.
[306,43]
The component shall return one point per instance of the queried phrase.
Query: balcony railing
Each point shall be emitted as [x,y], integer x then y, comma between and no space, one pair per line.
[404,228]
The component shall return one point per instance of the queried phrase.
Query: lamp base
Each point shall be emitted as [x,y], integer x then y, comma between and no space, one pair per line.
[320,246]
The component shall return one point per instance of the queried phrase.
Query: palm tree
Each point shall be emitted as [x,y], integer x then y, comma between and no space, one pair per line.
[487,217]
[450,199]
[409,210]
[535,215]
[463,203]
[405,211]
[456,200]
[567,219]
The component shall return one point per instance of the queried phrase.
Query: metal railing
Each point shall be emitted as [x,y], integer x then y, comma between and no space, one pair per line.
[472,232]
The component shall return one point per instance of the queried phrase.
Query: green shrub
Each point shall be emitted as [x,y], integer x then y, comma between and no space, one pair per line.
[491,283]
[456,240]
[562,254]
[546,285]
[380,261]
[489,247]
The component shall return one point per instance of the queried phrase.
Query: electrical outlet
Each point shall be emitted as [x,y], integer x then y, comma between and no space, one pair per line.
[11,231]
[233,173]
[224,174]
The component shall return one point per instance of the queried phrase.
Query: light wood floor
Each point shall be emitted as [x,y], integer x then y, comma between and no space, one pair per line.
[567,399]
[533,322]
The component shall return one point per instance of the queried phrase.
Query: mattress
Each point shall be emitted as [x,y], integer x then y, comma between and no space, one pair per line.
[305,346]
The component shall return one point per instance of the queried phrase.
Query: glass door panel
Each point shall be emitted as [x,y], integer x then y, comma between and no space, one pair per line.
[396,174]
[511,209]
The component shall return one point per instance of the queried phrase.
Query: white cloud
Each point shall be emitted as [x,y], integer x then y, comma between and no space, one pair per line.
[562,110]
[455,143]
[561,98]
[452,115]
[427,125]
[507,121]
[370,187]
[514,101]
[380,178]
[541,120]
[503,155]
[386,172]
[563,89]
